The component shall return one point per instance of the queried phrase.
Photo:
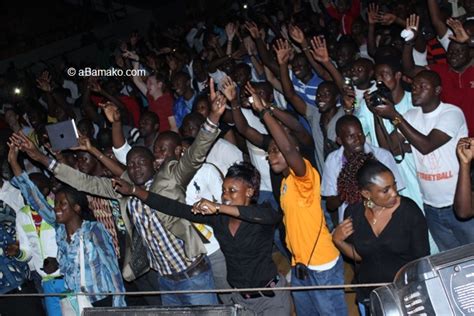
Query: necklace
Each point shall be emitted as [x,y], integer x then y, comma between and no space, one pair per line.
[374,219]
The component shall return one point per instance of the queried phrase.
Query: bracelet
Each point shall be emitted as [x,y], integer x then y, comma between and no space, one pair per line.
[100,157]
[208,121]
[235,107]
[397,120]
[306,48]
[218,208]
[134,189]
[263,112]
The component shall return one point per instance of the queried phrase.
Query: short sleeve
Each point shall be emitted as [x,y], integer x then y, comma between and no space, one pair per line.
[451,122]
[306,184]
[444,41]
[329,180]
[121,153]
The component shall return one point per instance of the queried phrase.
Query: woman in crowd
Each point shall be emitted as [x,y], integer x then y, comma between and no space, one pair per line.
[382,231]
[244,231]
[73,220]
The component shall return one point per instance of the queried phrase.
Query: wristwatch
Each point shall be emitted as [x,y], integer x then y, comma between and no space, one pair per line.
[397,120]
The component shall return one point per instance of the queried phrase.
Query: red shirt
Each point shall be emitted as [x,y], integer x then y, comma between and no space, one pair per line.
[458,89]
[346,18]
[130,103]
[163,107]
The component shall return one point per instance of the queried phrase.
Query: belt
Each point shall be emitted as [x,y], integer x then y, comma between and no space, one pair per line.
[272,283]
[197,267]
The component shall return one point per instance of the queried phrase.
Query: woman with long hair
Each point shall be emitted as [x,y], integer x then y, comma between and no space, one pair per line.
[382,231]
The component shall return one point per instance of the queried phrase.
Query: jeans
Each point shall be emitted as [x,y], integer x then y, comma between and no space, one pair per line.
[320,302]
[202,281]
[448,231]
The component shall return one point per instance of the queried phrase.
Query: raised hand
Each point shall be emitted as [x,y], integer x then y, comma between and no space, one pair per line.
[212,90]
[282,49]
[230,30]
[465,150]
[12,153]
[130,55]
[44,81]
[258,104]
[296,34]
[111,112]
[84,144]
[460,34]
[373,13]
[319,50]
[26,145]
[217,108]
[253,29]
[229,89]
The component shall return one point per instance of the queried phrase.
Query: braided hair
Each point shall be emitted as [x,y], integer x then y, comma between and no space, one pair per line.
[357,174]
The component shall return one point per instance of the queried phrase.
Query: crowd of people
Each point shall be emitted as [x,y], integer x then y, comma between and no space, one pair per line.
[334,132]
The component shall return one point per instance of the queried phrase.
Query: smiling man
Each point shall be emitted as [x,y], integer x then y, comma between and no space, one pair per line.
[433,129]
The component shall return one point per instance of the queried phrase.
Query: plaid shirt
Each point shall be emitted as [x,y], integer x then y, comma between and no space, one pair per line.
[165,251]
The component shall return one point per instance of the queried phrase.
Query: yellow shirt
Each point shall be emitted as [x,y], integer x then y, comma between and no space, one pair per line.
[301,203]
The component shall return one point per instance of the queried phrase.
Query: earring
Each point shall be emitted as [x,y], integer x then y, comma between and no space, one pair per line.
[369,203]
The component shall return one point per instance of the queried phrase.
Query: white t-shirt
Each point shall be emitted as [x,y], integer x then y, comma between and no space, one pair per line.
[437,171]
[224,154]
[359,96]
[207,184]
[258,156]
[335,162]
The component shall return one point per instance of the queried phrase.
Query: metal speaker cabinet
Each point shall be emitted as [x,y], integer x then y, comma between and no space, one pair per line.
[441,284]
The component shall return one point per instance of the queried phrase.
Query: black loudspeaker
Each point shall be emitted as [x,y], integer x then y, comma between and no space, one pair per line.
[212,310]
[441,284]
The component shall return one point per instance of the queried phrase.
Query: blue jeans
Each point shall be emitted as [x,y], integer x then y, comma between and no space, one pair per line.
[320,302]
[202,281]
[448,231]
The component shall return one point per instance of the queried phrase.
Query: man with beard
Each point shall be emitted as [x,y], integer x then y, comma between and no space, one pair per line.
[433,129]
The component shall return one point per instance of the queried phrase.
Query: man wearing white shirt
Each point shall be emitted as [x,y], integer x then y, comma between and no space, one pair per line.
[433,130]
[352,139]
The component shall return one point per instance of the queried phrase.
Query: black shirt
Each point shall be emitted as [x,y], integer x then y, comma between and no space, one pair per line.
[248,254]
[404,239]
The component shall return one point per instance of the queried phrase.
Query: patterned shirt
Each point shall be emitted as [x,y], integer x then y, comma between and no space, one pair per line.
[101,270]
[165,251]
[12,272]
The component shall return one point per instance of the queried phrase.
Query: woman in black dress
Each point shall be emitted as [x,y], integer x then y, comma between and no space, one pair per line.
[245,233]
[382,231]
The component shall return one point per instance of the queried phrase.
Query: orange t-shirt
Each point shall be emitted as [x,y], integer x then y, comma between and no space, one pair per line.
[301,203]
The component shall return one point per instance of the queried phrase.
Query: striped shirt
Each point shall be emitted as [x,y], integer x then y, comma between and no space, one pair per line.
[306,91]
[164,250]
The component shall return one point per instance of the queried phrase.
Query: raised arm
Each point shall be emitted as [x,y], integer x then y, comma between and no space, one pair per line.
[463,206]
[115,167]
[295,127]
[250,133]
[373,18]
[282,50]
[320,53]
[435,14]
[137,80]
[409,67]
[288,149]
[298,36]
[263,52]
